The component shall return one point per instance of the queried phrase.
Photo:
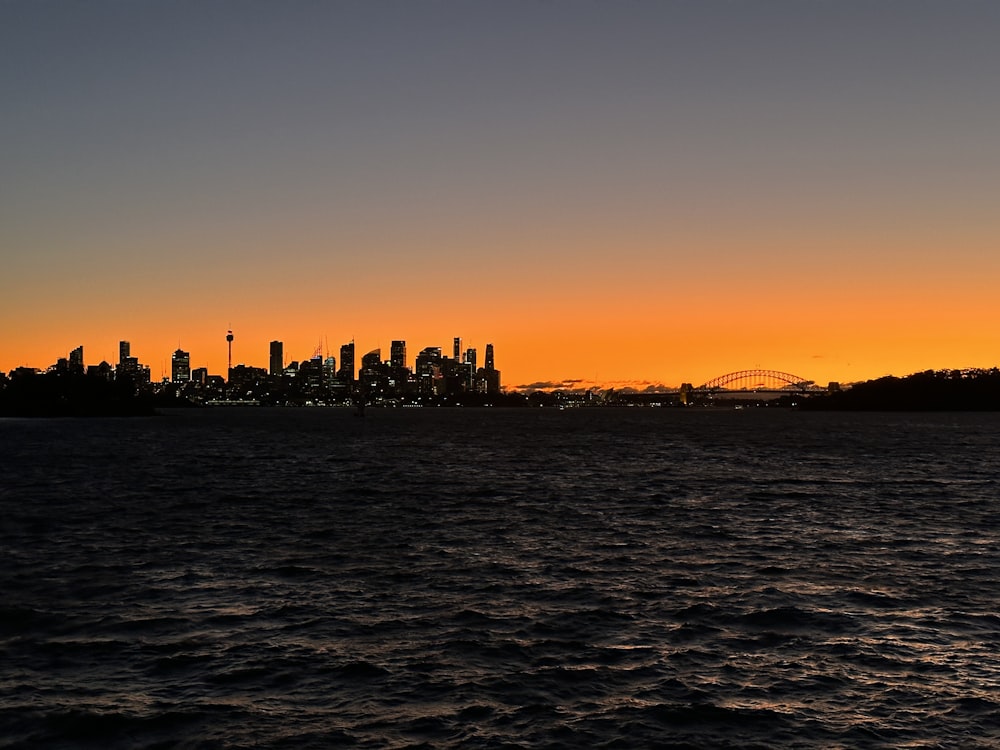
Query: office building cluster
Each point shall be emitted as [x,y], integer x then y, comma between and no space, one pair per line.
[317,380]
[374,378]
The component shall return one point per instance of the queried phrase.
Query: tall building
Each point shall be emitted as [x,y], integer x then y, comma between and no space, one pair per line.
[428,370]
[491,375]
[128,366]
[427,358]
[311,375]
[180,366]
[346,372]
[397,354]
[372,360]
[371,376]
[76,359]
[470,365]
[229,341]
[457,349]
[277,358]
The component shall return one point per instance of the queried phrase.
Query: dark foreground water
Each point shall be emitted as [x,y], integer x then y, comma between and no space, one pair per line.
[485,579]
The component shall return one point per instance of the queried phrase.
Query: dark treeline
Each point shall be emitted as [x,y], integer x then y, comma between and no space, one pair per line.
[69,394]
[75,394]
[931,390]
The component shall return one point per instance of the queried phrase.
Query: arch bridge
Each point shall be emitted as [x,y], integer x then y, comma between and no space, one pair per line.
[772,381]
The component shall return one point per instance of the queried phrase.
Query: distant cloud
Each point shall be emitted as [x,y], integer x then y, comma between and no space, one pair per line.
[642,386]
[581,385]
[568,384]
[540,385]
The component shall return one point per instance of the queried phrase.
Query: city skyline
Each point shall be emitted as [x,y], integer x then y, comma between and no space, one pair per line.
[612,195]
[349,368]
[178,368]
[275,361]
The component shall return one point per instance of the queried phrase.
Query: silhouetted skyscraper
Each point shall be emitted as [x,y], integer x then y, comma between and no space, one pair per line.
[371,369]
[428,369]
[76,359]
[490,373]
[470,368]
[277,358]
[397,354]
[346,372]
[180,367]
[128,366]
[457,348]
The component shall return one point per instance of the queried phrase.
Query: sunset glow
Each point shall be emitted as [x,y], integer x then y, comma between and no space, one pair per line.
[645,194]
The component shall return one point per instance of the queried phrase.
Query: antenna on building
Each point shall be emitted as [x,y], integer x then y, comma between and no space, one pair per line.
[229,339]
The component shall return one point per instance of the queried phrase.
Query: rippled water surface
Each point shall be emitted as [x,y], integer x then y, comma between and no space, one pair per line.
[488,578]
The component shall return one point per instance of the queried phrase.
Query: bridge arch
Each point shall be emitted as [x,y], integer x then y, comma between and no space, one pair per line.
[750,380]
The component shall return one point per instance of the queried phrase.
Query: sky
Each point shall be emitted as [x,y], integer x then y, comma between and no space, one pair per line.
[611,193]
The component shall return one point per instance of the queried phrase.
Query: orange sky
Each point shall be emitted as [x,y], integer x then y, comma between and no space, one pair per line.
[658,195]
[603,322]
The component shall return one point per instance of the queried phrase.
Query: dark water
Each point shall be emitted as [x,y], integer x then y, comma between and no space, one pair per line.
[486,579]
